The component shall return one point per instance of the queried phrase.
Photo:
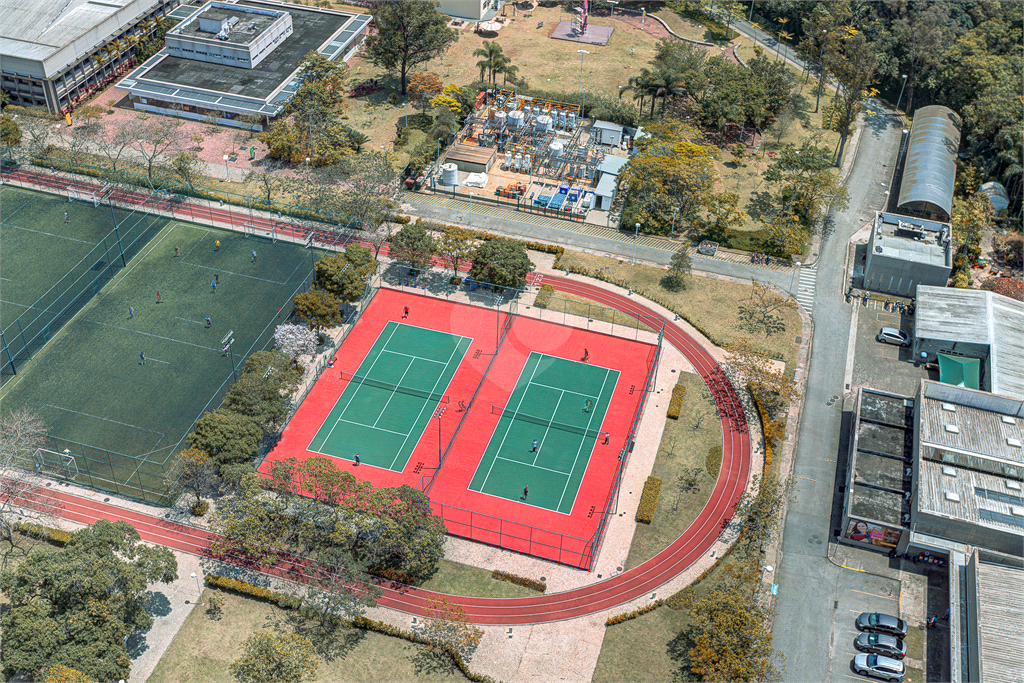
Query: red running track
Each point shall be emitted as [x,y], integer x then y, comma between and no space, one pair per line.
[647,577]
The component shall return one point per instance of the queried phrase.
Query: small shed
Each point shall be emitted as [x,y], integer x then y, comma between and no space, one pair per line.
[471,158]
[607,133]
[997,195]
[605,191]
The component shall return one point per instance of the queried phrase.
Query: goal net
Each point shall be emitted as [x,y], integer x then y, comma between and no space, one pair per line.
[61,464]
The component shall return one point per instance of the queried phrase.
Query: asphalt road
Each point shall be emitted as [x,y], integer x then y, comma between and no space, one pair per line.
[808,582]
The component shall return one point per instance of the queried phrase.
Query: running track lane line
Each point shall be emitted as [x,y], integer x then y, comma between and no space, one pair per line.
[680,554]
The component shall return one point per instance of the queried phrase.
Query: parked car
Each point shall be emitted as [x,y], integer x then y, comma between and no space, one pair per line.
[879,666]
[890,335]
[876,622]
[881,644]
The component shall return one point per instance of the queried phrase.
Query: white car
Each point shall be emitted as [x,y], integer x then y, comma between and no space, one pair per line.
[879,666]
[890,335]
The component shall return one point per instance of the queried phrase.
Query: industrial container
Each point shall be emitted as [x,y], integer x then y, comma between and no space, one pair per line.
[563,189]
[508,159]
[572,119]
[557,149]
[515,119]
[543,123]
[449,173]
[518,162]
[526,163]
[500,117]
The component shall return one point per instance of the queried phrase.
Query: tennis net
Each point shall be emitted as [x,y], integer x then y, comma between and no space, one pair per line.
[588,433]
[438,398]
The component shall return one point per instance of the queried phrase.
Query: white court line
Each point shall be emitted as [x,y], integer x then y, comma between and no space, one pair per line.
[155,360]
[198,346]
[379,429]
[429,360]
[197,322]
[205,235]
[509,426]
[432,390]
[539,467]
[593,412]
[567,391]
[547,431]
[27,202]
[105,419]
[49,234]
[356,391]
[15,303]
[231,272]
[5,279]
[397,384]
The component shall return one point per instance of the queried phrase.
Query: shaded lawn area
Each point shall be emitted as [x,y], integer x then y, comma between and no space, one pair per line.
[711,304]
[204,648]
[682,447]
[454,578]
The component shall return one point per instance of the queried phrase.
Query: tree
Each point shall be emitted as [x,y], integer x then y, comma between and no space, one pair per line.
[494,60]
[189,168]
[448,628]
[276,658]
[10,132]
[65,674]
[276,367]
[413,246]
[369,183]
[678,270]
[971,216]
[501,262]
[227,436]
[155,139]
[854,69]
[761,311]
[731,639]
[340,588]
[722,214]
[259,398]
[193,469]
[295,340]
[345,274]
[455,245]
[318,308]
[114,146]
[769,383]
[23,494]
[915,44]
[75,606]
[423,88]
[266,178]
[761,513]
[408,33]
[250,522]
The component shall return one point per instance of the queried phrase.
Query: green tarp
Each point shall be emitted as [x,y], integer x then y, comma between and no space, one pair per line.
[960,371]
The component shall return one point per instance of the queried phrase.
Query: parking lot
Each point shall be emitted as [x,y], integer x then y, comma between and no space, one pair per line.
[885,366]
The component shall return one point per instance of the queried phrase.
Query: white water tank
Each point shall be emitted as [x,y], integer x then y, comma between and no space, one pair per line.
[561,118]
[508,159]
[557,148]
[536,110]
[449,174]
[515,119]
[499,118]
[543,123]
[526,163]
[518,161]
[572,119]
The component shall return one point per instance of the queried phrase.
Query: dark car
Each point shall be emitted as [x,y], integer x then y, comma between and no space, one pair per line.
[881,644]
[876,622]
[878,666]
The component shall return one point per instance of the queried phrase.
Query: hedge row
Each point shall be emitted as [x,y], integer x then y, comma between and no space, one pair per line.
[601,275]
[46,533]
[683,599]
[675,406]
[392,574]
[200,508]
[486,237]
[713,461]
[536,585]
[289,602]
[648,500]
[767,425]
[544,296]
[626,616]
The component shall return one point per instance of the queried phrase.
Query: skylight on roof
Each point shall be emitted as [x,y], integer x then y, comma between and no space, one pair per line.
[952,429]
[952,497]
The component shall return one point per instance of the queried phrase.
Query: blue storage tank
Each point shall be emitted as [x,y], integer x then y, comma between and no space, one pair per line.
[563,189]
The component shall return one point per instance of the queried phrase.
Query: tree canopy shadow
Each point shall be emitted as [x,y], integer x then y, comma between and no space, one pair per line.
[760,206]
[427,661]
[330,643]
[678,650]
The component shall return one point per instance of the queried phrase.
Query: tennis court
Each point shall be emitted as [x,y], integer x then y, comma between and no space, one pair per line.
[388,402]
[546,432]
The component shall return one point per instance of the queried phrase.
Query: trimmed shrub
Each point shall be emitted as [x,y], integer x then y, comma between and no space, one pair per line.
[393,575]
[200,507]
[544,296]
[960,280]
[626,616]
[675,406]
[55,536]
[499,575]
[648,500]
[771,429]
[713,461]
[258,592]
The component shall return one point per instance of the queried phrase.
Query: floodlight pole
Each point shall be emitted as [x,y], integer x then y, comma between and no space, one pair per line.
[117,233]
[200,587]
[584,92]
[900,98]
[636,236]
[438,413]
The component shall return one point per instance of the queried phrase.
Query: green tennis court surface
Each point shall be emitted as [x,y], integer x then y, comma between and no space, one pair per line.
[387,404]
[560,404]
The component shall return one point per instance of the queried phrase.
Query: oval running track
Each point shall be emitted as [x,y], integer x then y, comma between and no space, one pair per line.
[683,552]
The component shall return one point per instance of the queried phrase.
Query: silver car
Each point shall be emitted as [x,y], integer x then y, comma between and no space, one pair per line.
[879,666]
[881,644]
[876,622]
[890,335]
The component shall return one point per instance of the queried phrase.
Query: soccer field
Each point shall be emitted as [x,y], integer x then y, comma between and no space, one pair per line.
[90,385]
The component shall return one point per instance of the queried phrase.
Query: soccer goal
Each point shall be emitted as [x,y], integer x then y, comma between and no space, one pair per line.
[61,464]
[74,193]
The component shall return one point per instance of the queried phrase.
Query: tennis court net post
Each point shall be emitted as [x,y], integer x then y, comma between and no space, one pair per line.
[517,415]
[358,379]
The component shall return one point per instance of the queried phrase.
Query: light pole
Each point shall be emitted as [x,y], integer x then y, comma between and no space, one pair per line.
[620,92]
[199,586]
[674,212]
[307,166]
[631,51]
[470,210]
[900,98]
[751,15]
[584,92]
[226,177]
[636,236]
[438,413]
[547,90]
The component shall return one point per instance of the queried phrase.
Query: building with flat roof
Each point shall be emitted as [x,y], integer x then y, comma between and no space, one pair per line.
[904,252]
[55,54]
[247,77]
[960,325]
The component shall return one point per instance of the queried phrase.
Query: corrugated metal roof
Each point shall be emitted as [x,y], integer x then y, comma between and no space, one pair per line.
[1000,615]
[930,168]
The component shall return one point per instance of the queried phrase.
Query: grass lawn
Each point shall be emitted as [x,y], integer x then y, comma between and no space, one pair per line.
[915,675]
[682,447]
[454,578]
[915,643]
[560,302]
[712,304]
[204,648]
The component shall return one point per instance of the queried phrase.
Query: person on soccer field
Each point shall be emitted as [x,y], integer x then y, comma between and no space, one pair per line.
[254,256]
[177,252]
[207,321]
[214,285]
[131,312]
[216,245]
[142,356]
[216,277]
[158,298]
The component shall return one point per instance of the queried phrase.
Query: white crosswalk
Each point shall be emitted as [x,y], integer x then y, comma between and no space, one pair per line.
[805,287]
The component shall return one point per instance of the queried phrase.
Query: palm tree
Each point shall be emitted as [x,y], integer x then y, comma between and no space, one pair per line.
[494,60]
[509,71]
[641,86]
[669,86]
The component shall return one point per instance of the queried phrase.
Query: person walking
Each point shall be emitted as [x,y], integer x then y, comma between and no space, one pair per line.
[254,256]
[405,312]
[216,245]
[214,285]
[131,312]
[606,437]
[142,358]
[177,252]
[207,321]
[586,355]
[216,277]
[534,446]
[357,460]
[158,298]
[526,492]
[67,218]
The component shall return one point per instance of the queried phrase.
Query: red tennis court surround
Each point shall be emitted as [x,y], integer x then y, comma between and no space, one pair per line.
[510,524]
